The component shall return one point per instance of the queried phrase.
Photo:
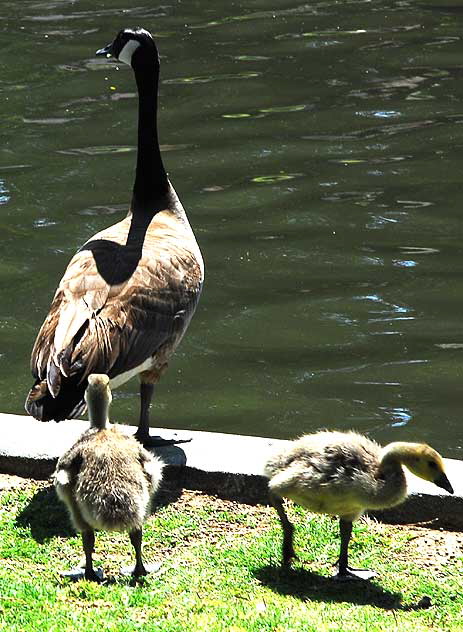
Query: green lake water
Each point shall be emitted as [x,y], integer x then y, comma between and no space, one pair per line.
[318,150]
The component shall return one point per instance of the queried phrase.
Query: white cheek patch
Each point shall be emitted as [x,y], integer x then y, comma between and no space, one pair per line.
[126,53]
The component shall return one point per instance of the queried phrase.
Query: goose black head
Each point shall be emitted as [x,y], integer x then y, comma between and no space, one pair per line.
[129,45]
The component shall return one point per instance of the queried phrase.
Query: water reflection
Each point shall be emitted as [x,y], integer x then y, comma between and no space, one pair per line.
[4,197]
[399,416]
[44,222]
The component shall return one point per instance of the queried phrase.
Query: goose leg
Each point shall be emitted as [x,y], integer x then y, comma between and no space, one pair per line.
[344,570]
[146,394]
[143,432]
[288,530]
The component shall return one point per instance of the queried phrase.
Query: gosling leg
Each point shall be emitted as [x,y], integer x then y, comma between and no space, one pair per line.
[136,539]
[288,530]
[345,572]
[88,541]
[141,569]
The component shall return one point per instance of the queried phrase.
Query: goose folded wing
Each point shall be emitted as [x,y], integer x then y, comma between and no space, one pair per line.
[80,294]
[138,328]
[96,327]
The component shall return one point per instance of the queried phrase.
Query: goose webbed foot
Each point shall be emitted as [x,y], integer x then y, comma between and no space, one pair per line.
[149,441]
[348,574]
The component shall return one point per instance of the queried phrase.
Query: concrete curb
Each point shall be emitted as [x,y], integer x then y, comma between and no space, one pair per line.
[226,465]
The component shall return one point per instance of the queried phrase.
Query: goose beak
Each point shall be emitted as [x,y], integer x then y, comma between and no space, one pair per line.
[443,481]
[106,51]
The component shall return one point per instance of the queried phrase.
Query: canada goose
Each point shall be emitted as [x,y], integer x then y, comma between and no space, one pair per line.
[344,474]
[128,295]
[106,480]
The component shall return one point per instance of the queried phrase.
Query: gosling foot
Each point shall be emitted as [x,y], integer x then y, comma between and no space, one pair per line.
[349,574]
[141,571]
[79,572]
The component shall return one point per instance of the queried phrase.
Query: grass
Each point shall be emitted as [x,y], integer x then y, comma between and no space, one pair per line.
[221,572]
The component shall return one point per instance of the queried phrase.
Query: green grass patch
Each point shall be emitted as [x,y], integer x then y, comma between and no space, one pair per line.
[221,572]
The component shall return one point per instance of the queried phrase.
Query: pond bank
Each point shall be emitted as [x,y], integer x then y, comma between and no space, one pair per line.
[225,465]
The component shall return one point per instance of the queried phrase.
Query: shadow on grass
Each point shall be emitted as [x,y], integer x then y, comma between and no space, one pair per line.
[170,490]
[305,584]
[46,516]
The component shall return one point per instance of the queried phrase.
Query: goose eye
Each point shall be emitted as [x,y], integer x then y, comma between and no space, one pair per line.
[432,465]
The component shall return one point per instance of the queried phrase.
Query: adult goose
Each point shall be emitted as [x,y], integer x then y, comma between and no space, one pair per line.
[344,474]
[107,480]
[128,295]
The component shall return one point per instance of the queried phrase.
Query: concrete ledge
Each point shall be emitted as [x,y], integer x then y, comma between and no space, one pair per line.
[226,465]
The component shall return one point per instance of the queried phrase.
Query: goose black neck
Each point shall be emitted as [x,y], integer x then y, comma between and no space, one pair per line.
[151,181]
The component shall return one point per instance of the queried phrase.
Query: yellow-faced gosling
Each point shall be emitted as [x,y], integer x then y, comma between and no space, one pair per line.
[344,474]
[107,480]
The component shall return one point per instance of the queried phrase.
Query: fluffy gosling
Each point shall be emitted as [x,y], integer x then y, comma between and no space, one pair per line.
[106,480]
[344,474]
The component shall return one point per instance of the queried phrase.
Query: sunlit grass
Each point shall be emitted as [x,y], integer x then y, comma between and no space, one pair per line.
[220,572]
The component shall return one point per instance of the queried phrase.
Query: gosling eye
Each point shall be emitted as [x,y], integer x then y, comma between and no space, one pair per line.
[432,465]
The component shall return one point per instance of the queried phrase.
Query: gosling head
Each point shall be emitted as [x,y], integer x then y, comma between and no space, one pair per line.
[98,399]
[426,463]
[129,44]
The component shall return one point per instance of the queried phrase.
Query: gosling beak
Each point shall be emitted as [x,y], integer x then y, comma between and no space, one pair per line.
[443,481]
[107,51]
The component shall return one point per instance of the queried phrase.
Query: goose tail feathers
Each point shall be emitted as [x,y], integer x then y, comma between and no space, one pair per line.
[67,403]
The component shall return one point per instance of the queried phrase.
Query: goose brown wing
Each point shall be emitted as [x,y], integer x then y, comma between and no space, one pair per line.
[146,317]
[80,295]
[96,327]
[158,301]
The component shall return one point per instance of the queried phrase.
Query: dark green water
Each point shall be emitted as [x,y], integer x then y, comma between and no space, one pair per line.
[318,150]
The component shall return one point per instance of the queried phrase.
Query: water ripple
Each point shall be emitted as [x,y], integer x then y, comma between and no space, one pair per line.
[103,210]
[211,78]
[97,151]
[115,149]
[4,197]
[281,109]
[44,222]
[399,416]
[278,177]
[52,121]
[305,9]
[92,14]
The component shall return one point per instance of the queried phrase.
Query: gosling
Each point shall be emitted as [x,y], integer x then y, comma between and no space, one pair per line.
[106,480]
[344,474]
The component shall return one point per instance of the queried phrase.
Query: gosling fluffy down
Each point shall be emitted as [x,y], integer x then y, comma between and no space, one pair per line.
[345,474]
[111,478]
[107,479]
